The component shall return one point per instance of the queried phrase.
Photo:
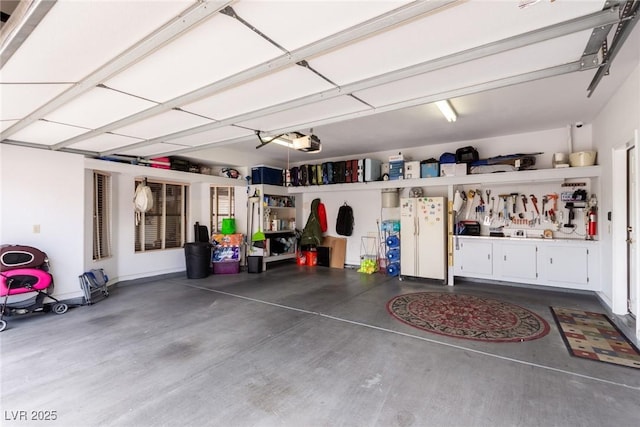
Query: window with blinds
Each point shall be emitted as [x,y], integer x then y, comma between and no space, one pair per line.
[101,215]
[222,206]
[165,225]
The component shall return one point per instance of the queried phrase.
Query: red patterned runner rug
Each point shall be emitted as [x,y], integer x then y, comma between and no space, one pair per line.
[467,316]
[593,336]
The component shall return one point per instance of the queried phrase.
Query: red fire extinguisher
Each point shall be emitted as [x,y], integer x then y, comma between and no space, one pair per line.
[592,228]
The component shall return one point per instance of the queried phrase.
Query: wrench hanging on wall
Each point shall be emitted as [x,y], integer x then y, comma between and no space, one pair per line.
[534,202]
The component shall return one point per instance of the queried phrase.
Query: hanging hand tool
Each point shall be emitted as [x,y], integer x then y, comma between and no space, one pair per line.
[545,200]
[505,209]
[553,197]
[480,208]
[534,202]
[491,208]
[470,195]
[552,211]
[514,200]
[463,196]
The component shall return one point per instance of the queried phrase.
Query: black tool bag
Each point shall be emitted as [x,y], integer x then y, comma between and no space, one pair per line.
[339,172]
[304,175]
[327,173]
[294,176]
[313,174]
[466,155]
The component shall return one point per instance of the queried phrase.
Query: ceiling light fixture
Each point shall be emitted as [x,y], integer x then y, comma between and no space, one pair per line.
[447,110]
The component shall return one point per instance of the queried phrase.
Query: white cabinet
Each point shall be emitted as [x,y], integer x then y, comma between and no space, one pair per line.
[564,265]
[473,257]
[559,263]
[518,261]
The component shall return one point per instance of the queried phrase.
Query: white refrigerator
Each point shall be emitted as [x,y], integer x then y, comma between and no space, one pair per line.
[423,237]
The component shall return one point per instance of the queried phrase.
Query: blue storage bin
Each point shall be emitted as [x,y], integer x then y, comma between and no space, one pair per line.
[429,169]
[266,175]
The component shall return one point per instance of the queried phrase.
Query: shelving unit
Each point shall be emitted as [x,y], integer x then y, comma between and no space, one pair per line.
[277,213]
[535,175]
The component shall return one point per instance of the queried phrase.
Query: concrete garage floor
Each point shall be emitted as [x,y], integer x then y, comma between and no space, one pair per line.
[297,346]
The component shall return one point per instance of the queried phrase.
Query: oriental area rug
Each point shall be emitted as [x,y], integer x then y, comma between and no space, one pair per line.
[593,336]
[467,316]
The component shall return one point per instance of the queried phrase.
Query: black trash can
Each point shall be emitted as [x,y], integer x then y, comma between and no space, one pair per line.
[198,259]
[254,264]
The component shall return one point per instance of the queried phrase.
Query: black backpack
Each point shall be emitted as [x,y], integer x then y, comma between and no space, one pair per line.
[344,224]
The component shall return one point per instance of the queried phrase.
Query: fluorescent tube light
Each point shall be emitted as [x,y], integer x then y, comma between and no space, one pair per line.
[447,110]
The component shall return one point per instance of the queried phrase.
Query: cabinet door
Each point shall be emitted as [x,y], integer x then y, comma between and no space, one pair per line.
[519,261]
[474,258]
[567,264]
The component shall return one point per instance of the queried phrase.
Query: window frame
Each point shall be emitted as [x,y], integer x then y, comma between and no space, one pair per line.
[215,218]
[140,232]
[102,214]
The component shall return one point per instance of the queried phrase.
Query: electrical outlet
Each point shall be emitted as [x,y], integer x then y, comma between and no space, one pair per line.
[36,229]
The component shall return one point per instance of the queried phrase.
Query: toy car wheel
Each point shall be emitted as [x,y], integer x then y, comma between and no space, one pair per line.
[3,325]
[60,308]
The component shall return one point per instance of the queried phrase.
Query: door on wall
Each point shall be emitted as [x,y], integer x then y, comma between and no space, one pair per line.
[632,233]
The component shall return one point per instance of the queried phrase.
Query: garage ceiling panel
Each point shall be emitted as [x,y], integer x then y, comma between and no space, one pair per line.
[151,150]
[215,49]
[162,124]
[104,142]
[98,107]
[6,124]
[293,24]
[288,84]
[534,57]
[19,100]
[77,37]
[47,133]
[437,35]
[211,136]
[309,113]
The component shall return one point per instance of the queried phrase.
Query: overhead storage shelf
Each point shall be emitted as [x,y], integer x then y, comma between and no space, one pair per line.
[539,175]
[159,173]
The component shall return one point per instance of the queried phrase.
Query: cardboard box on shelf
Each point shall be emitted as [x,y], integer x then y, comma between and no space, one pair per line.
[453,169]
[411,170]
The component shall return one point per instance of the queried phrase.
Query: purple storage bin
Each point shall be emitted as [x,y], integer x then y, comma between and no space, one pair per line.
[226,267]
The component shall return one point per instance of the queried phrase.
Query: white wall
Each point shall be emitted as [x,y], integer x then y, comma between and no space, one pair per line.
[72,186]
[46,189]
[367,204]
[613,128]
[54,190]
[546,141]
[126,264]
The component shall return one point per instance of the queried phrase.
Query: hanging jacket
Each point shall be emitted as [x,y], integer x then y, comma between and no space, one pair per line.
[312,233]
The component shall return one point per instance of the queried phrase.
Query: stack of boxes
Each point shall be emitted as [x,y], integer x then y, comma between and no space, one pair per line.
[429,168]
[396,167]
[225,256]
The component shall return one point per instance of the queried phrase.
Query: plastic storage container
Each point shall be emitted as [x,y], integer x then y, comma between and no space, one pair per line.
[254,264]
[198,259]
[226,267]
[266,175]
